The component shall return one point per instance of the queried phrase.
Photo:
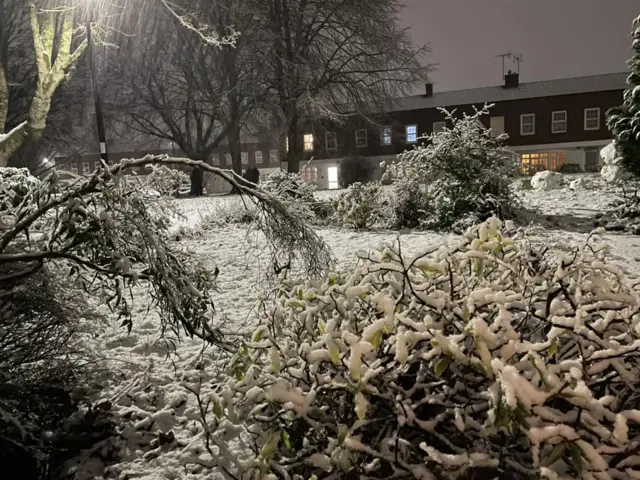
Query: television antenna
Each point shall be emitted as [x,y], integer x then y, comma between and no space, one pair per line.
[515,58]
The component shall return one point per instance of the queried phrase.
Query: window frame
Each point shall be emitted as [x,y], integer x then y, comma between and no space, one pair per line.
[334,136]
[359,137]
[522,124]
[86,168]
[586,119]
[273,155]
[386,132]
[215,159]
[228,161]
[308,142]
[259,157]
[442,124]
[97,165]
[554,122]
[73,168]
[407,134]
[244,158]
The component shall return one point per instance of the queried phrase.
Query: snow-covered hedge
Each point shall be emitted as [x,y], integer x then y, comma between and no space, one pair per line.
[464,173]
[487,358]
[299,194]
[165,180]
[15,184]
[359,206]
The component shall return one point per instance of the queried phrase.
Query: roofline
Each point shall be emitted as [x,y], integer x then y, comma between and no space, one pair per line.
[524,83]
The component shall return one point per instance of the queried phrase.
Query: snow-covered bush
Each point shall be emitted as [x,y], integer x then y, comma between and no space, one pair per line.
[15,184]
[464,171]
[489,359]
[359,206]
[298,194]
[165,180]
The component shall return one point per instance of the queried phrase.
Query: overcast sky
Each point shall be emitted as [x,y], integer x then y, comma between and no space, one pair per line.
[557,38]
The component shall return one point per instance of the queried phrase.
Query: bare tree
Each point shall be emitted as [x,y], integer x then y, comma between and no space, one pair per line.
[57,45]
[179,88]
[337,59]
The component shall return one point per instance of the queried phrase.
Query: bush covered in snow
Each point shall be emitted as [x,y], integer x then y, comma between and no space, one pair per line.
[488,359]
[299,194]
[359,206]
[15,184]
[464,172]
[165,180]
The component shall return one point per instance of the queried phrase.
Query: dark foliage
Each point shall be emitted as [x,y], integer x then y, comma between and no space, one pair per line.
[355,170]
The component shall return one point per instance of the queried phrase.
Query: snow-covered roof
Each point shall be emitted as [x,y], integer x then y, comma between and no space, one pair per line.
[546,88]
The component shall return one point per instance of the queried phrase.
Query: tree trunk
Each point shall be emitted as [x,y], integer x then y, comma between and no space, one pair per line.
[197,179]
[235,149]
[295,146]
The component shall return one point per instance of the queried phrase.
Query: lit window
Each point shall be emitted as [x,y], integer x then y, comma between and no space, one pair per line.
[385,136]
[244,156]
[74,168]
[86,168]
[273,156]
[361,138]
[308,142]
[215,159]
[592,119]
[536,162]
[559,122]
[258,157]
[332,178]
[331,139]
[439,126]
[97,165]
[528,124]
[228,160]
[411,133]
[309,174]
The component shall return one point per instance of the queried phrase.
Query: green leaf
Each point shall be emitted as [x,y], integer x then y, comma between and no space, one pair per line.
[321,327]
[343,431]
[554,455]
[377,339]
[576,458]
[217,409]
[553,349]
[466,314]
[441,365]
[285,439]
[259,335]
[270,446]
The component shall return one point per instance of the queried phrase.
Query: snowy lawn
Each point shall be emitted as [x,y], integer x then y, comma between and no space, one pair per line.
[146,381]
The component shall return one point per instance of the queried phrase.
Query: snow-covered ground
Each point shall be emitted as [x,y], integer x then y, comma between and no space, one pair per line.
[146,380]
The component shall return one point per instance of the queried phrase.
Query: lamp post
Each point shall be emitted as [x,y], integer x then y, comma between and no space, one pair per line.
[102,138]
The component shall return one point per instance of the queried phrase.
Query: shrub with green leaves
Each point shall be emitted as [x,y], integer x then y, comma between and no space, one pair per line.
[463,174]
[359,206]
[488,359]
[298,194]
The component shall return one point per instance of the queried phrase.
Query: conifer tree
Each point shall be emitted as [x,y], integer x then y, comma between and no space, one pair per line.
[624,121]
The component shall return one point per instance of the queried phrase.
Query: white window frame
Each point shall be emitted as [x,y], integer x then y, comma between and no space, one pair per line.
[361,138]
[74,168]
[587,119]
[555,122]
[215,160]
[259,157]
[438,127]
[97,165]
[244,158]
[331,141]
[228,160]
[411,137]
[86,168]
[273,156]
[386,135]
[307,141]
[522,124]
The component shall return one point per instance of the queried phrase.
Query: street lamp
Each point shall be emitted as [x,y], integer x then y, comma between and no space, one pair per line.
[102,137]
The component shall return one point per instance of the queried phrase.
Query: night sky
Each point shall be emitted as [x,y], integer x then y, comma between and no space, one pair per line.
[557,38]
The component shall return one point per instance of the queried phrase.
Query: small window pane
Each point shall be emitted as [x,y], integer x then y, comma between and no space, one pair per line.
[258,157]
[308,142]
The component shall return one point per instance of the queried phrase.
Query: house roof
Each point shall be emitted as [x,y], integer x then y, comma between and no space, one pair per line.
[546,88]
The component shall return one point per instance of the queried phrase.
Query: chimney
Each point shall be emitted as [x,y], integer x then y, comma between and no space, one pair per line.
[428,89]
[511,80]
